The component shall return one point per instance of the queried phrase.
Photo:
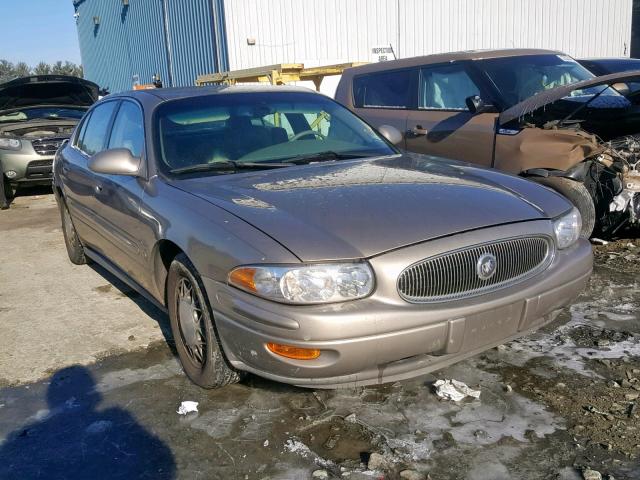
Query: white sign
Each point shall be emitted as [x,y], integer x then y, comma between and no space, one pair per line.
[382,53]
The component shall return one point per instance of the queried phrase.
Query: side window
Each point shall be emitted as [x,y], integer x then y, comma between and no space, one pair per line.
[382,90]
[95,134]
[83,128]
[445,88]
[128,130]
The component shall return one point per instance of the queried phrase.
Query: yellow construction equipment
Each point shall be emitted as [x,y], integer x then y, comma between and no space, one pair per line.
[278,74]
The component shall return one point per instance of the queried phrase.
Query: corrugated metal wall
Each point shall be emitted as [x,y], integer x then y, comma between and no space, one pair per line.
[300,31]
[581,28]
[336,31]
[176,38]
[180,39]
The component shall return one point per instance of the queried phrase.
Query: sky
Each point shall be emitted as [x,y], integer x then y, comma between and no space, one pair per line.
[38,30]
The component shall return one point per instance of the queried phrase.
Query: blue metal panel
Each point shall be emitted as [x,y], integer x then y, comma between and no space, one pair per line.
[178,39]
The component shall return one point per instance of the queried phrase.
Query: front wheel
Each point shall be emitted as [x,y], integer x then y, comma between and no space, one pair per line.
[193,330]
[577,194]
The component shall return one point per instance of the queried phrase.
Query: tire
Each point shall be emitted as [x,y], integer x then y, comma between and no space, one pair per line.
[71,239]
[577,194]
[9,191]
[196,339]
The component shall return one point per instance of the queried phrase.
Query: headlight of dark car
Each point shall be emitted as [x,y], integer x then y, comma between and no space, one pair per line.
[305,284]
[8,143]
[567,228]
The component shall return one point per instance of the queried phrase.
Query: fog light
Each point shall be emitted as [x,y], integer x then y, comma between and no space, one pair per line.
[296,353]
[10,174]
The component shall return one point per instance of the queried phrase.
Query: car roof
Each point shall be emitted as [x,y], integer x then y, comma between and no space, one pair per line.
[452,57]
[610,59]
[164,94]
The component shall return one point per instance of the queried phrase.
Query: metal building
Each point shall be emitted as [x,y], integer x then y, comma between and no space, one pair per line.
[123,42]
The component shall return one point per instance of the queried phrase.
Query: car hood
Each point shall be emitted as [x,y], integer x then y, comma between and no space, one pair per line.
[47,90]
[542,99]
[358,209]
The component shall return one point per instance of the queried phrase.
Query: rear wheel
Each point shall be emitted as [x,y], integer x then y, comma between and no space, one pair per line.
[577,194]
[193,329]
[71,239]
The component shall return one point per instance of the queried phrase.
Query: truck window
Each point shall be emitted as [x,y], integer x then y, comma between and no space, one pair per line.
[382,90]
[445,88]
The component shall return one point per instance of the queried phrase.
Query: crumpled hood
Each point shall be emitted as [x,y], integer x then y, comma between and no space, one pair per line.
[360,208]
[548,97]
[47,90]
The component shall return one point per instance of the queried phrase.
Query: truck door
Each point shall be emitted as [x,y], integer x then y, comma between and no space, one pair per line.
[442,124]
[384,98]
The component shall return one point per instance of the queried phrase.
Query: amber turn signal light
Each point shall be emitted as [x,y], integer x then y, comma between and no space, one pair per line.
[244,278]
[296,353]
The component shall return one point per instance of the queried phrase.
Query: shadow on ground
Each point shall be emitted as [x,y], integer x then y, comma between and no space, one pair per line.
[75,439]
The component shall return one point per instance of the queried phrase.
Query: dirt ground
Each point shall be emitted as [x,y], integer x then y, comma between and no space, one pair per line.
[90,388]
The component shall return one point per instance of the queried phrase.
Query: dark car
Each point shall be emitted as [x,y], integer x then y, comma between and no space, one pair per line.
[535,113]
[287,238]
[607,66]
[37,114]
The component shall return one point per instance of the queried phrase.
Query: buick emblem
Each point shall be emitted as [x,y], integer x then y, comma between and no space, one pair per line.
[486,266]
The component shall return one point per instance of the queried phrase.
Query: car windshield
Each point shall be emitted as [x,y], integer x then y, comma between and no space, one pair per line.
[518,78]
[49,113]
[260,127]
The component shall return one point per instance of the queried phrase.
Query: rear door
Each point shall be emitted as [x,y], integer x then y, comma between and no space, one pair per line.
[385,98]
[79,181]
[441,124]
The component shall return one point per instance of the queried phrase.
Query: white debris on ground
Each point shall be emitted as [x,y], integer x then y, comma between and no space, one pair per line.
[187,407]
[454,390]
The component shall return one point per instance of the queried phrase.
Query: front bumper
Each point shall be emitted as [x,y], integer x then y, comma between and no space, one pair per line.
[382,338]
[29,167]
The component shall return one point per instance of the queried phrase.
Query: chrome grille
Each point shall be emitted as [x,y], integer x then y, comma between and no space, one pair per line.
[47,146]
[454,275]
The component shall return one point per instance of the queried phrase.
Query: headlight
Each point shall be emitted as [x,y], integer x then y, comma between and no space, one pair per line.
[305,284]
[567,228]
[10,143]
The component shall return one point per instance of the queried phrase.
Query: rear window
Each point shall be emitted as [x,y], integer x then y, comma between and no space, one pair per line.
[383,90]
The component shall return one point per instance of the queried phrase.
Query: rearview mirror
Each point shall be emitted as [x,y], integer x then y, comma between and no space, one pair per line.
[390,133]
[475,104]
[116,161]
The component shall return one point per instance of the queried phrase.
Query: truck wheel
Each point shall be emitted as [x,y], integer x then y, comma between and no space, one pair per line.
[193,329]
[71,239]
[577,194]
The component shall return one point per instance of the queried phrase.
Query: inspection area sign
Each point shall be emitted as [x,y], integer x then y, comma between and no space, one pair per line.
[382,53]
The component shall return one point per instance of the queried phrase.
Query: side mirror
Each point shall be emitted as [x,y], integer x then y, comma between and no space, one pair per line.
[116,161]
[622,88]
[390,133]
[475,104]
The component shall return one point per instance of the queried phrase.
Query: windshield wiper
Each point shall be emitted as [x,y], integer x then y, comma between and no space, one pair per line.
[325,156]
[227,165]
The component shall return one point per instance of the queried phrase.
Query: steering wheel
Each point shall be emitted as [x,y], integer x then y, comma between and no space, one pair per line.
[306,133]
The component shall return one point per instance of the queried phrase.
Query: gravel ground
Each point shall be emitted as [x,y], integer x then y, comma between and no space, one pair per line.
[559,404]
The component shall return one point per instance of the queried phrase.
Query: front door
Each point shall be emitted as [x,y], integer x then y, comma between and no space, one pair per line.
[118,197]
[442,125]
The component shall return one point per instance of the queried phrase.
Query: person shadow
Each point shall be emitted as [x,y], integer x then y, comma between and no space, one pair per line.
[76,440]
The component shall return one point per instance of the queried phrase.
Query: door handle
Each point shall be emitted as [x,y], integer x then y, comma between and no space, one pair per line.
[417,131]
[98,188]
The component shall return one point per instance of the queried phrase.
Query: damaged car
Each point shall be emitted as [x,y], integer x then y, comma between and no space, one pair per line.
[287,238]
[37,114]
[534,113]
